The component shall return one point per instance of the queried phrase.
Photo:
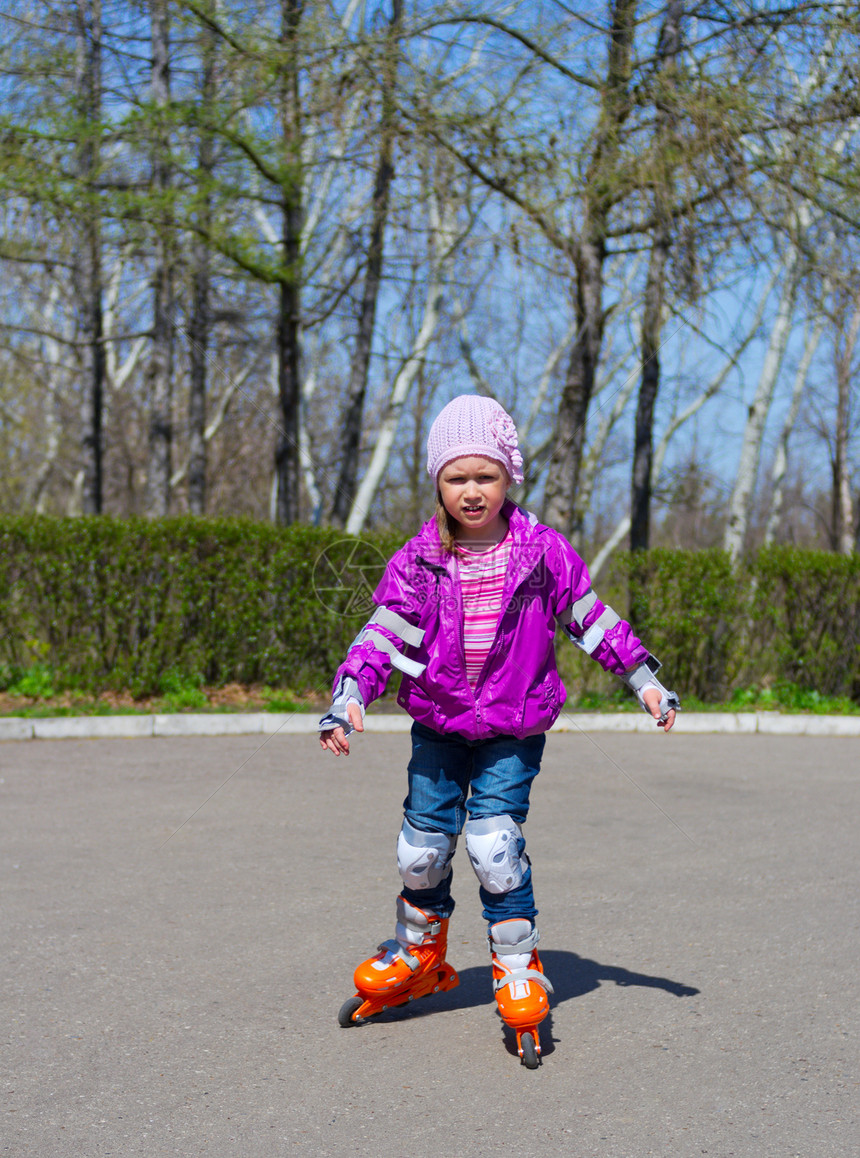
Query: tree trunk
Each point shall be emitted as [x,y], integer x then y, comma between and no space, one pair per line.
[562,510]
[353,414]
[160,368]
[199,320]
[88,32]
[842,531]
[288,337]
[710,391]
[562,486]
[198,338]
[655,293]
[443,240]
[740,507]
[643,436]
[780,461]
[390,419]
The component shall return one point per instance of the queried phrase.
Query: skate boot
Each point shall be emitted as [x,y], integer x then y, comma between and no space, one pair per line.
[519,983]
[411,965]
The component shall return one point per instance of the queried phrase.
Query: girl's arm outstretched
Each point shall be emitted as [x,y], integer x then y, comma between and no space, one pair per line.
[610,640]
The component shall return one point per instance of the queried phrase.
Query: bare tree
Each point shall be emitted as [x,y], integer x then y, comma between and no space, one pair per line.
[353,411]
[600,192]
[742,494]
[443,241]
[811,340]
[88,37]
[289,320]
[199,321]
[655,284]
[160,366]
[710,390]
[842,519]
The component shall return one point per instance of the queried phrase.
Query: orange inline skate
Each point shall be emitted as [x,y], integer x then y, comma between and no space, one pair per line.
[520,985]
[409,966]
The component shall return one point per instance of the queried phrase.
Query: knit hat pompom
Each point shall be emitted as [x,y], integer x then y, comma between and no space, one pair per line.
[474,425]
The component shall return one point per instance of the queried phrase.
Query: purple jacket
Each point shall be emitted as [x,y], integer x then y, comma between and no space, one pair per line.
[519,691]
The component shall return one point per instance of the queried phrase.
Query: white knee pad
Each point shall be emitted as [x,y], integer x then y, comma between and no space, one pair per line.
[423,858]
[493,845]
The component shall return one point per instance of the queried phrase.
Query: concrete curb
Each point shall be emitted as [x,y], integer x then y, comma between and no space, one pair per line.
[283,723]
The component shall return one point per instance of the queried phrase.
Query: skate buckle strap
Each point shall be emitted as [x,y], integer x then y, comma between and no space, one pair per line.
[427,930]
[397,949]
[525,946]
[523,975]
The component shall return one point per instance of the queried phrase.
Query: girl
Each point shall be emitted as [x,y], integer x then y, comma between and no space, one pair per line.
[468,611]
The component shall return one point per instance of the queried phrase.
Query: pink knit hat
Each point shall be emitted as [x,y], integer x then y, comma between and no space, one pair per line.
[474,425]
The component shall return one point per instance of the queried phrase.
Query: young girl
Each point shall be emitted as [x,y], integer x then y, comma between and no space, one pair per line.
[467,611]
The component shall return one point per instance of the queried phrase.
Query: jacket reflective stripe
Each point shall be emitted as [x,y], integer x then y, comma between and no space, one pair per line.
[397,625]
[578,610]
[593,637]
[582,606]
[399,660]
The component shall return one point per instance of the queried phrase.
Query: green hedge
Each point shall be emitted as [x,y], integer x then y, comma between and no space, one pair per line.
[784,615]
[106,603]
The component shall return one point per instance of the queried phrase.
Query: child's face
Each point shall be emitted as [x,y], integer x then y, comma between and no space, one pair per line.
[473,492]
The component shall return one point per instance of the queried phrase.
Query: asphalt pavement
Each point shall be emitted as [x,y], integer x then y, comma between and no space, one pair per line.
[181,918]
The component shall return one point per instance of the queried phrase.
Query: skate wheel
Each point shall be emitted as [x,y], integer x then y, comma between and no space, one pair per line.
[346,1016]
[530,1056]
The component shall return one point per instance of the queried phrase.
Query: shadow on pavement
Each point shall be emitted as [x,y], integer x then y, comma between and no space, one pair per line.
[571,976]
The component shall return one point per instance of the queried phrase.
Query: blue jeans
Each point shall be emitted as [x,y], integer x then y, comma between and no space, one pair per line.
[450,777]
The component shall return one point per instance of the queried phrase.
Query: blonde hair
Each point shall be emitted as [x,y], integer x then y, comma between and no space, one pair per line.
[447,526]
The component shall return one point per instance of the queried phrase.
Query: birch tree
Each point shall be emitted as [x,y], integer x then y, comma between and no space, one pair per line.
[810,344]
[745,480]
[795,169]
[288,231]
[443,242]
[708,392]
[353,410]
[842,528]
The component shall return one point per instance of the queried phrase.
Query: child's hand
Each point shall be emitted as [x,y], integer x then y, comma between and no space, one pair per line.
[652,697]
[335,739]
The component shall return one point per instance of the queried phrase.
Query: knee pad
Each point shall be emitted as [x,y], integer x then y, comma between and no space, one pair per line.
[423,858]
[495,846]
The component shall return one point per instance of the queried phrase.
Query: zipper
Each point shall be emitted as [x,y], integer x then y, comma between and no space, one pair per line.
[437,569]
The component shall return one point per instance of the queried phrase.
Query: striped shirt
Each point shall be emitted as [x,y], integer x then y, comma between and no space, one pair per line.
[482,578]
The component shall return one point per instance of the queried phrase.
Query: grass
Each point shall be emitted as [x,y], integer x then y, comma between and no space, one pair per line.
[786,698]
[39,692]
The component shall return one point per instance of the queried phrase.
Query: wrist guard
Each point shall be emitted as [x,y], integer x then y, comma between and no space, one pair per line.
[643,677]
[347,692]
